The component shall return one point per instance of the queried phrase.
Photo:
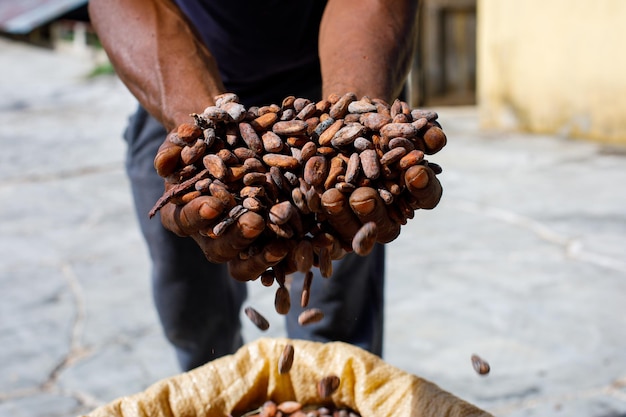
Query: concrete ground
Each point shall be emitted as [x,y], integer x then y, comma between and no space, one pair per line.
[523,261]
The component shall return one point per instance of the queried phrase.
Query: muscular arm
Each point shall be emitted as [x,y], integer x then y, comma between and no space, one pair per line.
[158,56]
[366,46]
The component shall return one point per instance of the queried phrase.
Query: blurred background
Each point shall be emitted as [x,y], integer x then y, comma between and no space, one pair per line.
[523,261]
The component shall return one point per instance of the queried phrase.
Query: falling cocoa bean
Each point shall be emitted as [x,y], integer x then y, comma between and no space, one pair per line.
[256,318]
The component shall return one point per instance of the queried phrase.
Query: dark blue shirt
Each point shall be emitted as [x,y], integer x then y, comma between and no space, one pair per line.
[265,50]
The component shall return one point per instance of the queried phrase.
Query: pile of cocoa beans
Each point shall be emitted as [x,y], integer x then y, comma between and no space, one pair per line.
[296,409]
[327,177]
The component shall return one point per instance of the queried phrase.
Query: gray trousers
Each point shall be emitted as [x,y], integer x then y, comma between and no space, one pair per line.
[199,304]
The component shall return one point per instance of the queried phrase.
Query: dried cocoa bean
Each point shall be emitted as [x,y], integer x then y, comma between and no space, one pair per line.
[236,111]
[290,127]
[281,161]
[280,213]
[282,301]
[253,204]
[303,254]
[347,134]
[250,137]
[361,106]
[289,407]
[370,163]
[364,240]
[307,111]
[256,318]
[285,361]
[224,98]
[480,365]
[215,165]
[311,315]
[272,143]
[353,169]
[392,130]
[315,170]
[340,108]
[306,289]
[327,135]
[264,122]
[216,114]
[308,150]
[392,156]
[328,385]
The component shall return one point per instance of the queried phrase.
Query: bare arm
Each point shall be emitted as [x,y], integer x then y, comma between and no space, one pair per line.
[366,46]
[157,55]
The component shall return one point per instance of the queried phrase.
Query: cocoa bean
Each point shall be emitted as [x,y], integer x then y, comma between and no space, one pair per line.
[336,169]
[306,289]
[290,127]
[361,106]
[224,98]
[308,150]
[285,361]
[353,169]
[327,135]
[227,156]
[256,318]
[370,163]
[315,170]
[325,263]
[250,137]
[216,114]
[254,165]
[307,111]
[347,134]
[401,143]
[280,213]
[392,130]
[480,365]
[365,239]
[328,385]
[282,301]
[209,137]
[215,165]
[361,144]
[281,161]
[236,111]
[303,254]
[253,204]
[311,315]
[392,156]
[340,108]
[272,142]
[289,407]
[264,122]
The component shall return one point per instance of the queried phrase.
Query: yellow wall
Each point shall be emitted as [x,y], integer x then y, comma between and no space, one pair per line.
[553,66]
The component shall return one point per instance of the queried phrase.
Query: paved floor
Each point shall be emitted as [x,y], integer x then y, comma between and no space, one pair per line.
[523,262]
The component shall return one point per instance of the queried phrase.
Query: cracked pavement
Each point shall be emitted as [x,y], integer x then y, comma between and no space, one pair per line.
[523,262]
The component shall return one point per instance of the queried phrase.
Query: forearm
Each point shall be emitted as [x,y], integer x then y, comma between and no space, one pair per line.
[366,46]
[158,57]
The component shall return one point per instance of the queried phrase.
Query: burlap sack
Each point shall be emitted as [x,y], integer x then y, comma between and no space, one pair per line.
[243,381]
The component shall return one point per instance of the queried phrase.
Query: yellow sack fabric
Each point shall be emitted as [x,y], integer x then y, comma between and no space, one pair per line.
[241,382]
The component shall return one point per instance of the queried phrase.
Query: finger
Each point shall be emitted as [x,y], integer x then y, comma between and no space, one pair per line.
[424,186]
[167,158]
[187,219]
[252,267]
[369,207]
[339,215]
[234,239]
